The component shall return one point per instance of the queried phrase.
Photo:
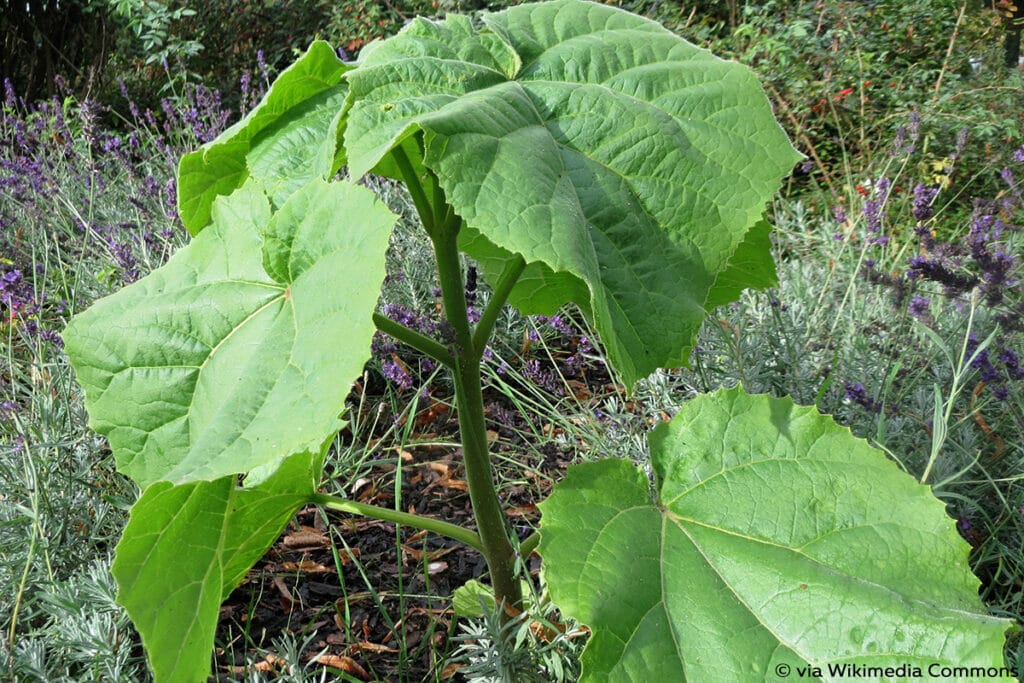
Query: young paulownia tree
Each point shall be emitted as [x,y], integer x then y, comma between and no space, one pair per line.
[578,154]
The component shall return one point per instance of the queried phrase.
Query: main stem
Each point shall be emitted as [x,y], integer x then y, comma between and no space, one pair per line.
[490,518]
[442,225]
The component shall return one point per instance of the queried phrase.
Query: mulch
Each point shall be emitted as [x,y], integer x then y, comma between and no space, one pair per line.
[364,601]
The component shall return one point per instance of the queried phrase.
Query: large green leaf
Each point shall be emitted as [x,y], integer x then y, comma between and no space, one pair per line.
[623,163]
[775,539]
[241,350]
[285,141]
[185,549]
[751,266]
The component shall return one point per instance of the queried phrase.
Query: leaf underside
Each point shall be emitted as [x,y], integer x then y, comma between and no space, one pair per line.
[284,142]
[623,163]
[775,537]
[186,547]
[241,349]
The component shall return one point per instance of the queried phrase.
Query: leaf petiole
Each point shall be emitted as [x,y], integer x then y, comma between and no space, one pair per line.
[416,340]
[412,182]
[529,544]
[452,531]
[509,277]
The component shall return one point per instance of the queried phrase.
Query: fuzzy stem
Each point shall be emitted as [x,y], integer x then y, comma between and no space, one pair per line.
[487,509]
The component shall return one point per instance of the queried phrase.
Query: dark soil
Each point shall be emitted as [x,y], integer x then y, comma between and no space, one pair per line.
[380,606]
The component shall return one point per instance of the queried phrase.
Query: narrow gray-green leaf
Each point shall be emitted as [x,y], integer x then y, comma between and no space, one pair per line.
[776,539]
[241,350]
[285,141]
[185,549]
[616,155]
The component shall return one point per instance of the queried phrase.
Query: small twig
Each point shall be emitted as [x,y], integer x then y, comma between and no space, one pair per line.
[804,139]
[949,50]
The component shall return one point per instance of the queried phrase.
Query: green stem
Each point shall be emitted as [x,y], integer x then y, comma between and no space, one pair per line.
[398,517]
[416,191]
[420,342]
[509,277]
[453,289]
[490,518]
[529,544]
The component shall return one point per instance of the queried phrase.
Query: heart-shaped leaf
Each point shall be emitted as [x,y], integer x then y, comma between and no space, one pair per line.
[623,163]
[776,539]
[185,549]
[241,350]
[285,141]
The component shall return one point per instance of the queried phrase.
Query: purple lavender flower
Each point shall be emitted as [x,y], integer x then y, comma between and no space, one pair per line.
[981,362]
[1010,361]
[919,306]
[996,265]
[839,214]
[859,395]
[923,198]
[557,323]
[872,216]
[171,197]
[1018,155]
[10,98]
[882,188]
[261,64]
[936,270]
[396,373]
[13,293]
[245,85]
[899,142]
[382,344]
[533,372]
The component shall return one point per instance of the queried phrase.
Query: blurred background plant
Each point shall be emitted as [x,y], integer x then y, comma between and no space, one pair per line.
[899,306]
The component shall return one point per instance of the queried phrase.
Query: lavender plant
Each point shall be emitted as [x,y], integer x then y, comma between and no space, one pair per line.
[577,153]
[85,208]
[855,330]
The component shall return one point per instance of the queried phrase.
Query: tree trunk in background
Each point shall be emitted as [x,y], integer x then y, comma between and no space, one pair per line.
[1014,23]
[43,39]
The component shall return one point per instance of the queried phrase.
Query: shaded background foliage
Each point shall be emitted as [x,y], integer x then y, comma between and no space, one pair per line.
[41,40]
[831,66]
